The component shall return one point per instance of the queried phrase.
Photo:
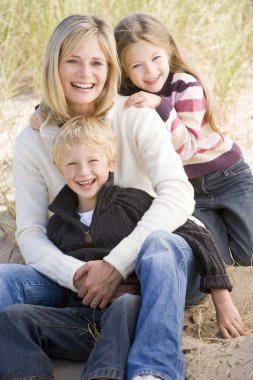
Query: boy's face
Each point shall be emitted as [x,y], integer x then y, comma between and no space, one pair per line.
[85,170]
[147,66]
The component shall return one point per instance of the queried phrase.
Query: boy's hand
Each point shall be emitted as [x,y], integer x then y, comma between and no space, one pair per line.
[37,119]
[96,283]
[228,317]
[130,285]
[143,99]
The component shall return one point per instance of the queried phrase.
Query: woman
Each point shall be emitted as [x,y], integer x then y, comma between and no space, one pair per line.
[80,78]
[89,84]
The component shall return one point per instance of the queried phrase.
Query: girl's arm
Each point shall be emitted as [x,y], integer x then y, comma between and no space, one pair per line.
[183,112]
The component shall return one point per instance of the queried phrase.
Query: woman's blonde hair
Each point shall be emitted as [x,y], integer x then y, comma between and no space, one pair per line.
[66,37]
[139,27]
[90,132]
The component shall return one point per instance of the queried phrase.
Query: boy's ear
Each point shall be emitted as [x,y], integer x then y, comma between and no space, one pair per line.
[112,165]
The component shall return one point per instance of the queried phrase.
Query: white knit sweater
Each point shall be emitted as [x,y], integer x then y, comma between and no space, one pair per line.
[147,160]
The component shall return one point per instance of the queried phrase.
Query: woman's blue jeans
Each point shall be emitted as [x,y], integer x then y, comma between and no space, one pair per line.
[139,335]
[224,203]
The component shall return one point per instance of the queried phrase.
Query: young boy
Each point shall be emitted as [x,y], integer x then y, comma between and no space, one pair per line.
[91,215]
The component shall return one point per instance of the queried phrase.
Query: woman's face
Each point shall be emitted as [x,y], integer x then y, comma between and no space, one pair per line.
[83,74]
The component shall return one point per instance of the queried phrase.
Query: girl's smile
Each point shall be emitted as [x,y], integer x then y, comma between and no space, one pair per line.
[147,66]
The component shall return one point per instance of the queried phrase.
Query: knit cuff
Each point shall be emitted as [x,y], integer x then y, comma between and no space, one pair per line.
[215,282]
[164,108]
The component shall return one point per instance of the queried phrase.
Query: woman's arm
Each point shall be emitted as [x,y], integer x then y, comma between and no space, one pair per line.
[147,161]
[34,177]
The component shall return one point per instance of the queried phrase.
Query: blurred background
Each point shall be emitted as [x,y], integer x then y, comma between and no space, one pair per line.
[215,35]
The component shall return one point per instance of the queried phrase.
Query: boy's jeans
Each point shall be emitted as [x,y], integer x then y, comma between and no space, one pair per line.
[165,268]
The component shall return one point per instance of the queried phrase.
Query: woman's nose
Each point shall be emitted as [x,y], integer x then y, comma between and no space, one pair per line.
[84,69]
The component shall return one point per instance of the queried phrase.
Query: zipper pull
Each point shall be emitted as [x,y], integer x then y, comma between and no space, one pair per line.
[87,236]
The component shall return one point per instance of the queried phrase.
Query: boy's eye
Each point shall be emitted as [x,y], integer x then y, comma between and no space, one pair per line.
[72,163]
[93,161]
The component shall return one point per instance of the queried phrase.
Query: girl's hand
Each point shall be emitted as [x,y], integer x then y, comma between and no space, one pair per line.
[143,99]
[228,317]
[37,119]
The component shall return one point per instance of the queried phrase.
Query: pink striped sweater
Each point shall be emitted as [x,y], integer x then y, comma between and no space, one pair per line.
[183,107]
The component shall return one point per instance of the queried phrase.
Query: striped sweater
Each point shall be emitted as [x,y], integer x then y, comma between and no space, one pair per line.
[183,109]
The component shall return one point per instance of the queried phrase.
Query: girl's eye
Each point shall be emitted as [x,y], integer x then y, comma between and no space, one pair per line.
[71,60]
[93,161]
[136,66]
[156,57]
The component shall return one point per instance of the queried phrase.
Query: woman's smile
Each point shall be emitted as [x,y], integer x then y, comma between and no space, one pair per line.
[83,74]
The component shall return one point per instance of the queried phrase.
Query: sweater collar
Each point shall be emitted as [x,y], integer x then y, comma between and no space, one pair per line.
[66,201]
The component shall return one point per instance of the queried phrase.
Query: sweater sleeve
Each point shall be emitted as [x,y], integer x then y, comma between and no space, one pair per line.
[148,158]
[187,114]
[211,268]
[32,211]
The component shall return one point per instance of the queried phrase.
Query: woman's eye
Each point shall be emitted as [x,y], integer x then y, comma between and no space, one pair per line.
[97,63]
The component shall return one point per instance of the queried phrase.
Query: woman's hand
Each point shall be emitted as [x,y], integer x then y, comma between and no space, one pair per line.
[143,99]
[96,283]
[37,119]
[228,317]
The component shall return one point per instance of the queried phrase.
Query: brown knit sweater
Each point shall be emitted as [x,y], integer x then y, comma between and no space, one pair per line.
[116,214]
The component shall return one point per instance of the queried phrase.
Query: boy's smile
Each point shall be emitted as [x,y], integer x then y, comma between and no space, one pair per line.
[147,66]
[85,171]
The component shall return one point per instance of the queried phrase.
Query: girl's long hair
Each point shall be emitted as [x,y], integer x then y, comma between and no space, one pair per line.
[138,27]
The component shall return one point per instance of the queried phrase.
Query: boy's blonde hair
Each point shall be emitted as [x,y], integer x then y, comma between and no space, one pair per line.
[88,131]
[67,37]
[139,27]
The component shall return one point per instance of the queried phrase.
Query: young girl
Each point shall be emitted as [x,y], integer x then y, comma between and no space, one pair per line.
[156,75]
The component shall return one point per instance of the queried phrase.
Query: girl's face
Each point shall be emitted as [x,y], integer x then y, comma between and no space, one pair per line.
[83,74]
[147,66]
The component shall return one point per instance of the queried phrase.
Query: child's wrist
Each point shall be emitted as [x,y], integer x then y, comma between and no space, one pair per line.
[220,295]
